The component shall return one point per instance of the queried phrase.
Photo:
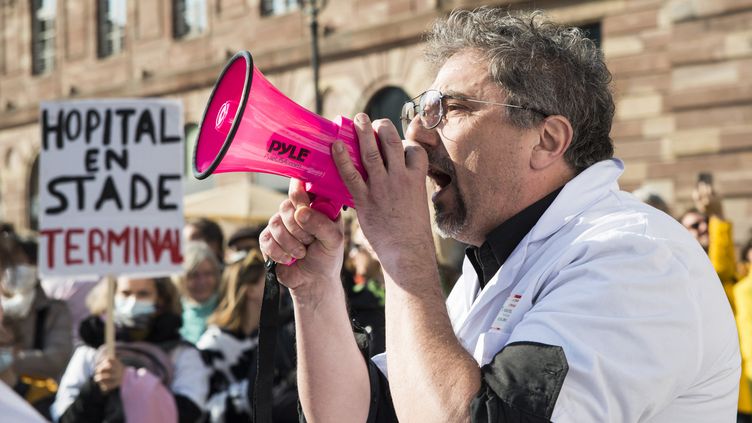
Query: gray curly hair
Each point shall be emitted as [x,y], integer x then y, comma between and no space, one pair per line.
[542,66]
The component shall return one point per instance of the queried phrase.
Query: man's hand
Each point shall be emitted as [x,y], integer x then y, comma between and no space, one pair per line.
[312,239]
[707,201]
[108,374]
[392,204]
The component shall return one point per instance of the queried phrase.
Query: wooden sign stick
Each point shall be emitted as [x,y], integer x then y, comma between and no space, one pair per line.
[109,326]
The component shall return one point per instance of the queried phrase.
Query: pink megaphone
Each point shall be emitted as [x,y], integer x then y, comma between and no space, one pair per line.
[250,126]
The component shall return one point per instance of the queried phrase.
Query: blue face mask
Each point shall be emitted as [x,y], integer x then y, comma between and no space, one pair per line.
[6,358]
[130,312]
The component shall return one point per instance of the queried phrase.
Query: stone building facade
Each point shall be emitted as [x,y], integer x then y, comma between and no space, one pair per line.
[681,70]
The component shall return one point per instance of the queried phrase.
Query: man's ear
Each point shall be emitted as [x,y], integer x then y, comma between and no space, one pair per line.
[554,138]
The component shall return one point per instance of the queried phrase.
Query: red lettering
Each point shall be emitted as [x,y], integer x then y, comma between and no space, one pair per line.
[118,239]
[50,234]
[175,256]
[152,241]
[71,247]
[96,245]
[136,243]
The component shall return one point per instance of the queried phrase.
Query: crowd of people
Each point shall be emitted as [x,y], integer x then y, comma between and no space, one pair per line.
[186,344]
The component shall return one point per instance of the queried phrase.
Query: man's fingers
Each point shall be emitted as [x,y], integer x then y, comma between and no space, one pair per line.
[284,240]
[369,148]
[287,213]
[321,227]
[297,193]
[391,143]
[347,171]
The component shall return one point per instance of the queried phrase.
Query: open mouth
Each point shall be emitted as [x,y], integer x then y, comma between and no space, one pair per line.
[441,179]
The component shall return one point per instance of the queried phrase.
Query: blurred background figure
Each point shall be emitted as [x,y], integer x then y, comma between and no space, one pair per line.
[364,285]
[154,376]
[198,287]
[742,294]
[706,222]
[241,241]
[652,199]
[13,407]
[39,342]
[208,231]
[230,347]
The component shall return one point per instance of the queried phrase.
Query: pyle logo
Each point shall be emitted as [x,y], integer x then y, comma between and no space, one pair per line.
[222,114]
[291,151]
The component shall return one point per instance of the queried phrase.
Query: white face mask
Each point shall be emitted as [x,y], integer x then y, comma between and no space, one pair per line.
[20,279]
[130,312]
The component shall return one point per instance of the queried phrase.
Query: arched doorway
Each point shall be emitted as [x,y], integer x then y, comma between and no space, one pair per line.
[387,103]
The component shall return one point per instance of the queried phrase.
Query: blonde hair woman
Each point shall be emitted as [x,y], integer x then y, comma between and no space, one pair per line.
[199,288]
[230,347]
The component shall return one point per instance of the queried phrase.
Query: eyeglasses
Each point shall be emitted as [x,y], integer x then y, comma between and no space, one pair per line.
[430,106]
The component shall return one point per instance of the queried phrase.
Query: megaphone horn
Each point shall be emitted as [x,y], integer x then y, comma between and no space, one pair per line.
[250,126]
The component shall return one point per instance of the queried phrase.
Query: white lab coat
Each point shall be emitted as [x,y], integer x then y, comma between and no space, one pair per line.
[627,293]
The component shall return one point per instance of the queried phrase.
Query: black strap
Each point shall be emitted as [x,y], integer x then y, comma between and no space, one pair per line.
[39,332]
[267,344]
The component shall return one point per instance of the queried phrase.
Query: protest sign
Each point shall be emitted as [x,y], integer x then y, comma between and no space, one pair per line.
[110,187]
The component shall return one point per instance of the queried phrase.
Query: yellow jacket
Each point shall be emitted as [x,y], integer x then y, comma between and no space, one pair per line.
[721,253]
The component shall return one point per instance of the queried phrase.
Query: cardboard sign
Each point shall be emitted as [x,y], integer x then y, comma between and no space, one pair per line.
[110,187]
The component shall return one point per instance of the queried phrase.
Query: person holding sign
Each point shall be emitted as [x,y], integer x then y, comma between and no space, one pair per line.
[40,328]
[154,373]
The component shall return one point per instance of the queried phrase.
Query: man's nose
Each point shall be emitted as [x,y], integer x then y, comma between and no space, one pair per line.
[428,138]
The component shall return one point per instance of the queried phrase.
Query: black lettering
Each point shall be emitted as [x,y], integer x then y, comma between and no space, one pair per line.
[303,154]
[163,192]
[275,145]
[164,139]
[109,193]
[90,160]
[112,156]
[92,122]
[138,179]
[52,189]
[145,126]
[71,123]
[125,115]
[50,129]
[106,139]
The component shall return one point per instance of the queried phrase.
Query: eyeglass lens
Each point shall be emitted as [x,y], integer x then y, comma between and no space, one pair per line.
[429,108]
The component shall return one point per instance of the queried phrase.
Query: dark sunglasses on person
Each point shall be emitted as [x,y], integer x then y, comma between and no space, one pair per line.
[430,106]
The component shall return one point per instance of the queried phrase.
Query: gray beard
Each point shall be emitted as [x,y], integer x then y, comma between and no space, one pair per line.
[451,223]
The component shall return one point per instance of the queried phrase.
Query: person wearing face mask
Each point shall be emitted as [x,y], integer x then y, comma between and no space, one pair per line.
[40,328]
[199,286]
[155,375]
[14,408]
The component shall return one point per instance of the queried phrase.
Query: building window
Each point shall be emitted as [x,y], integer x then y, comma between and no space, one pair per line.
[111,19]
[42,36]
[387,103]
[278,7]
[189,18]
[32,205]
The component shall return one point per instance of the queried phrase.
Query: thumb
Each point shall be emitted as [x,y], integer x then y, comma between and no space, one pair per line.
[330,234]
